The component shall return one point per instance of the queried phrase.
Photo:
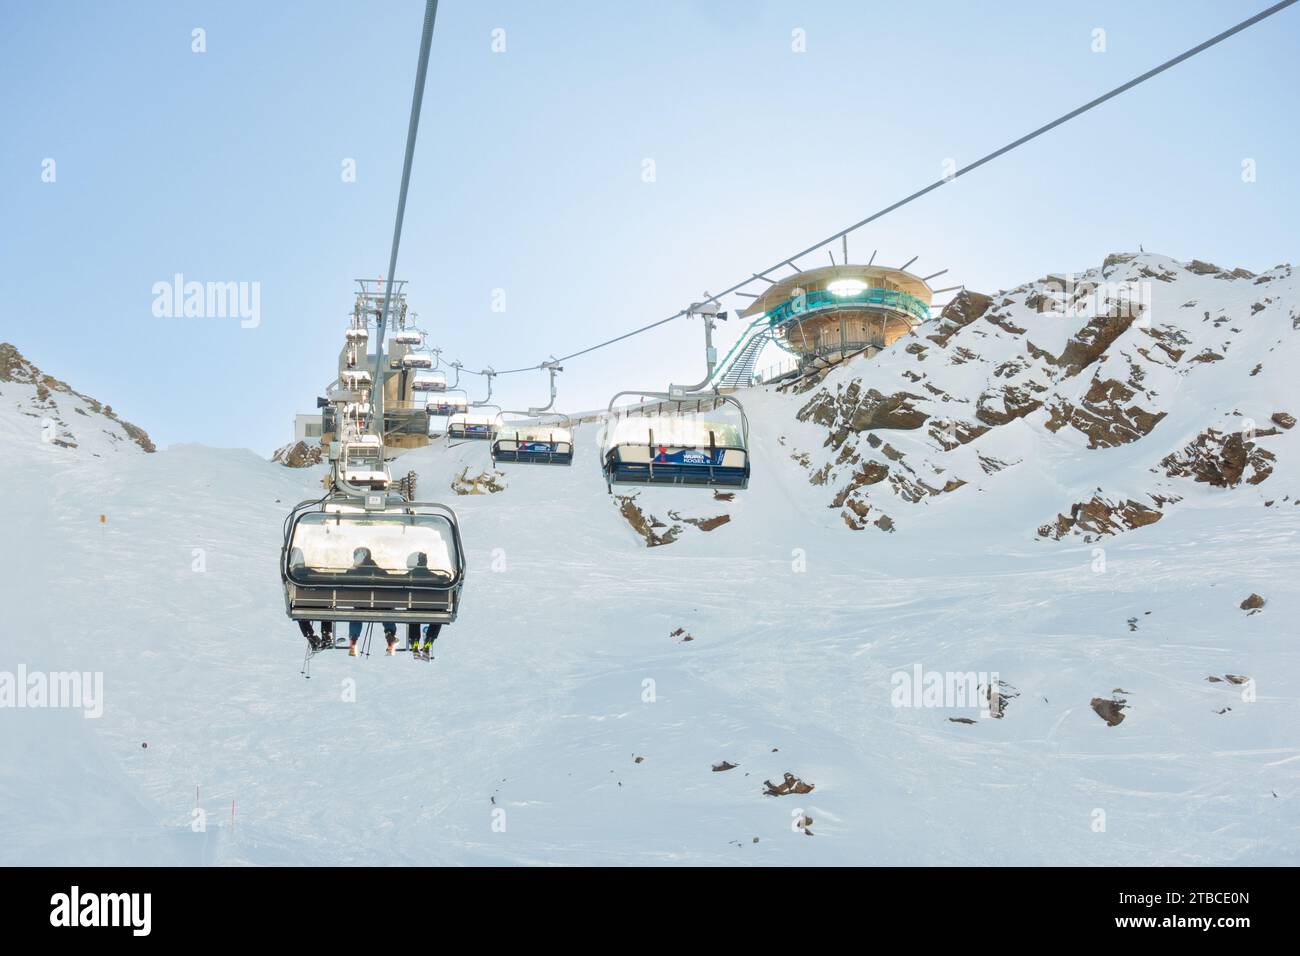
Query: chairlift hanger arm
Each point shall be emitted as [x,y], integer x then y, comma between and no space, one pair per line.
[489,374]
[551,367]
[709,312]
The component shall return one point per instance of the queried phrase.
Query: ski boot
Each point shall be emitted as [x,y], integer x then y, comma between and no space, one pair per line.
[352,648]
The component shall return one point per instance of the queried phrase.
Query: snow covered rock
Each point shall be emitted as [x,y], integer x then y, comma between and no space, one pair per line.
[60,416]
[486,482]
[299,455]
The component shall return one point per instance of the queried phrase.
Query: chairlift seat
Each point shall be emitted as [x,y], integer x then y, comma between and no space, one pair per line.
[641,464]
[323,582]
[429,382]
[676,448]
[446,406]
[464,425]
[535,445]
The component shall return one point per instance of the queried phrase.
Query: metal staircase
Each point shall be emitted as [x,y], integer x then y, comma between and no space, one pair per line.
[741,370]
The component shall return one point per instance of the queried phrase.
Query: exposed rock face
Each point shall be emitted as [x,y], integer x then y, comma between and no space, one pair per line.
[964,309]
[15,368]
[299,455]
[1108,415]
[1253,603]
[1098,517]
[1091,341]
[654,531]
[691,512]
[1220,459]
[854,409]
[704,524]
[1120,355]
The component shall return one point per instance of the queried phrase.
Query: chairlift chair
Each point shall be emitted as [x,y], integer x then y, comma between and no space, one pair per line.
[448,404]
[399,561]
[652,445]
[429,382]
[470,425]
[533,442]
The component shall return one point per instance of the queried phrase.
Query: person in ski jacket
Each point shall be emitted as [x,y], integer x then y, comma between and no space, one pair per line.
[364,562]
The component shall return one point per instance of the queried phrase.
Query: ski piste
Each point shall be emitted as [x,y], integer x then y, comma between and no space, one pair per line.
[953,528]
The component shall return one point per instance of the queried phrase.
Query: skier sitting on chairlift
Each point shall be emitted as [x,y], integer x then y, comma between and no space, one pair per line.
[420,570]
[326,638]
[364,562]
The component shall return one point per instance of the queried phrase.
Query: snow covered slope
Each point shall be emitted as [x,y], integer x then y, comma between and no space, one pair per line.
[35,404]
[567,718]
[1084,404]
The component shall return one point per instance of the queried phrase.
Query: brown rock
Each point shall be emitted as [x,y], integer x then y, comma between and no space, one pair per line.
[1110,711]
[299,455]
[1098,517]
[1220,459]
[789,784]
[645,525]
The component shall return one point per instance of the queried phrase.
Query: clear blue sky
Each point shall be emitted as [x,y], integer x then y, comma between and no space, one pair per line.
[225,166]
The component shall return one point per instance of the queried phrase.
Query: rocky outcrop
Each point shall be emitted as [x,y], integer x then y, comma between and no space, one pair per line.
[1220,459]
[14,367]
[1080,357]
[856,409]
[1108,416]
[964,309]
[485,483]
[299,455]
[1099,517]
[655,532]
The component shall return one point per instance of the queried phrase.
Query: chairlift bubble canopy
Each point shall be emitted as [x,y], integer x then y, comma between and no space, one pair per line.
[340,562]
[429,382]
[470,425]
[699,439]
[533,441]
